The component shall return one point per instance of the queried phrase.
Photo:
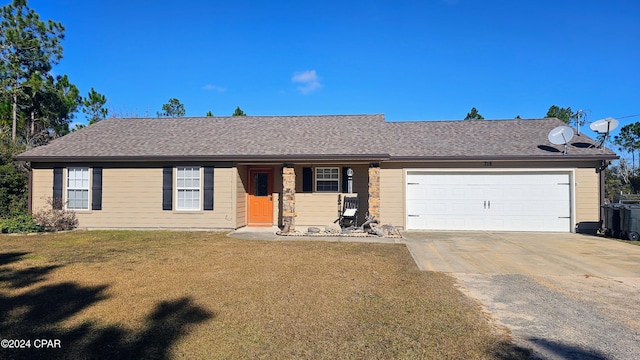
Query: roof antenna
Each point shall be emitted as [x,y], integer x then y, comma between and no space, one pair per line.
[580,114]
[604,126]
[561,136]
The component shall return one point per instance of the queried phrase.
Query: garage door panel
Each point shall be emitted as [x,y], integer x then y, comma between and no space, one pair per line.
[517,208]
[475,222]
[426,191]
[414,208]
[535,223]
[486,201]
[440,207]
[415,222]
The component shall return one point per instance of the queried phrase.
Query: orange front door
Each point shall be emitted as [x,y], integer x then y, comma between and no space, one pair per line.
[260,197]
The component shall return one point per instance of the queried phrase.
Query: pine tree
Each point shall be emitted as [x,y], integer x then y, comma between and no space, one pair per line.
[238,112]
[29,47]
[474,115]
[93,105]
[173,108]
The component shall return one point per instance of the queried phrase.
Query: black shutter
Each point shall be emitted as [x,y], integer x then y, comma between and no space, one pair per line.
[57,188]
[345,180]
[167,188]
[208,188]
[96,189]
[307,179]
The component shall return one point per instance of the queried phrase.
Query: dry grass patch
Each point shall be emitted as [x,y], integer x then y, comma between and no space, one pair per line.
[132,294]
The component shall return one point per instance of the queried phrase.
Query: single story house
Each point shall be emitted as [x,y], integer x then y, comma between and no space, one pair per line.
[292,171]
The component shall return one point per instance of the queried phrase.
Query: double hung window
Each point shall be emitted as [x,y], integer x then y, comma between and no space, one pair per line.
[188,188]
[78,188]
[327,179]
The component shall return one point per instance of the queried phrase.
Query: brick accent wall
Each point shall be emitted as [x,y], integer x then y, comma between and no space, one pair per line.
[374,191]
[288,198]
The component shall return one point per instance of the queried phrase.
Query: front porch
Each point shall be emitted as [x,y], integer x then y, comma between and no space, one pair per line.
[304,194]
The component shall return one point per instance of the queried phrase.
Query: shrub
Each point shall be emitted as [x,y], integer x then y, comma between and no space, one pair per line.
[13,188]
[19,224]
[56,217]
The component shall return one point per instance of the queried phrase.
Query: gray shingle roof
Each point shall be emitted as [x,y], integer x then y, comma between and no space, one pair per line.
[485,139]
[309,137]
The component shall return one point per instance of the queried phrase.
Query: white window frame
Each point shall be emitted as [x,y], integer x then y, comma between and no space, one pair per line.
[317,172]
[186,186]
[77,188]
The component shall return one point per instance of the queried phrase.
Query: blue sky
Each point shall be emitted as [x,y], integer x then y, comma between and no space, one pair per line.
[410,60]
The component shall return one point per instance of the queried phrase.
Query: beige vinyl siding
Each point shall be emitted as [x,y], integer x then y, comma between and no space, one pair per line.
[316,209]
[42,188]
[132,198]
[275,192]
[392,206]
[587,195]
[321,208]
[241,196]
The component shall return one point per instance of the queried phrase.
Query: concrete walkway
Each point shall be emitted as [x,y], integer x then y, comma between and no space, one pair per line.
[269,234]
[523,253]
[563,296]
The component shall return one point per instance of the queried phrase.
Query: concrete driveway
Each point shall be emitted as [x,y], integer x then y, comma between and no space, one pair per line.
[563,296]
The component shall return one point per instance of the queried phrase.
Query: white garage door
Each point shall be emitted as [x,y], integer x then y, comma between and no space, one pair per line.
[488,201]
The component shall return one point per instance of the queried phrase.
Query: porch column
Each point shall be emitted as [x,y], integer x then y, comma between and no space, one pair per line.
[374,191]
[288,198]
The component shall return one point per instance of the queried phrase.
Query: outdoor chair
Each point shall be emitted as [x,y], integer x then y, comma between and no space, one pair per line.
[349,216]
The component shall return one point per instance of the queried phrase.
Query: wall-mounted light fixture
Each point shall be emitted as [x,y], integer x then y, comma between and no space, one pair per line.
[350,180]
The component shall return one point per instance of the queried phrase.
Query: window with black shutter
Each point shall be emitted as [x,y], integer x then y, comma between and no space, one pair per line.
[96,189]
[167,188]
[345,179]
[57,188]
[307,179]
[208,188]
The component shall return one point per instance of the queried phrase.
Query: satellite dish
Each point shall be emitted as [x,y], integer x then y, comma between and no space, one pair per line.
[561,136]
[604,126]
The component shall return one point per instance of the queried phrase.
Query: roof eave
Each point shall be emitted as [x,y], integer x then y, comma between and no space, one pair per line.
[209,158]
[311,157]
[567,157]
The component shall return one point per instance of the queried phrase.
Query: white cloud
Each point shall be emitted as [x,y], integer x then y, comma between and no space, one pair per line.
[308,79]
[211,87]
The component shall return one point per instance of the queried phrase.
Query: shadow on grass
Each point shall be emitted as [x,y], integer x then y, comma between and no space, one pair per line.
[8,258]
[39,313]
[23,278]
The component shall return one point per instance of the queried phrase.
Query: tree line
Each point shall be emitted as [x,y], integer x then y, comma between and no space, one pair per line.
[565,114]
[174,108]
[37,106]
[34,104]
[623,177]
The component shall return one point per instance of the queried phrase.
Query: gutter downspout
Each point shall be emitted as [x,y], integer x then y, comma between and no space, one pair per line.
[30,192]
[602,169]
